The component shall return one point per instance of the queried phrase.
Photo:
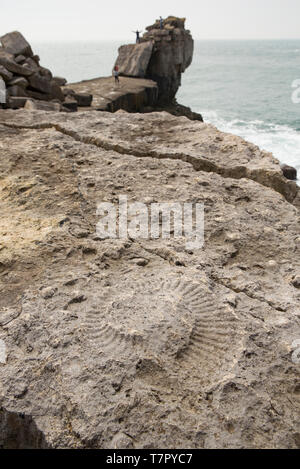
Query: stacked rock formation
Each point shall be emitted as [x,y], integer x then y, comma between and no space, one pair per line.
[162,56]
[30,85]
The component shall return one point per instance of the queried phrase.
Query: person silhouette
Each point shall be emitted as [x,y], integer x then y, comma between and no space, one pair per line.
[161,22]
[138,39]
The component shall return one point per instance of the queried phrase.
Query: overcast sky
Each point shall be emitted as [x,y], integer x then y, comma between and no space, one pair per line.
[45,20]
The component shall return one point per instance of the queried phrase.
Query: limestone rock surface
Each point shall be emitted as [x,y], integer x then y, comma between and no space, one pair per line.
[26,78]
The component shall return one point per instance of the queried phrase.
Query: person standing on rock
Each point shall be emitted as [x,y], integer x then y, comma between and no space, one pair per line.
[116,74]
[138,39]
[161,22]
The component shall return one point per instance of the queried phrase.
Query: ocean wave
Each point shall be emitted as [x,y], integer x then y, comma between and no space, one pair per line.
[281,140]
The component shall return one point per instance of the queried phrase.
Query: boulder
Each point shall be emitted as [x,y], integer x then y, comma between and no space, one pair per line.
[16,44]
[5,74]
[20,81]
[174,47]
[60,81]
[7,61]
[162,56]
[20,59]
[289,172]
[31,64]
[17,102]
[83,100]
[68,92]
[296,281]
[133,59]
[32,105]
[46,73]
[56,91]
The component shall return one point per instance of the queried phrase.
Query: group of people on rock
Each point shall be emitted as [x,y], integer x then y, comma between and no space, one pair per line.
[138,41]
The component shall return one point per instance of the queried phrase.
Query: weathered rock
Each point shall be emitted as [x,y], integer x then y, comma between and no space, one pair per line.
[172,54]
[12,66]
[16,90]
[20,81]
[38,95]
[171,22]
[70,104]
[83,100]
[31,64]
[3,92]
[60,81]
[37,59]
[133,59]
[40,83]
[20,59]
[289,172]
[189,349]
[17,102]
[133,95]
[32,105]
[176,109]
[68,92]
[16,44]
[56,91]
[18,62]
[46,73]
[5,74]
[162,56]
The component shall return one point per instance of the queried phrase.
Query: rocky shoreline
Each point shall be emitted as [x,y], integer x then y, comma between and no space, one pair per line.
[142,343]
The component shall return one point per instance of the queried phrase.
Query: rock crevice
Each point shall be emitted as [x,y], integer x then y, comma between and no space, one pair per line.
[269,178]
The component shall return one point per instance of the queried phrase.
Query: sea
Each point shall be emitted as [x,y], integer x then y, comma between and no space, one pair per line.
[247,88]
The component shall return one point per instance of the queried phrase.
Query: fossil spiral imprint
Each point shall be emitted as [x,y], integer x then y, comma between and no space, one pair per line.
[173,319]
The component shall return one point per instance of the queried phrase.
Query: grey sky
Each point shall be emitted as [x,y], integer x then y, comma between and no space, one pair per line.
[115,19]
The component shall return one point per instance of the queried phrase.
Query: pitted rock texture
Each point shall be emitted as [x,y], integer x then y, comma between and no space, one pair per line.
[140,343]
